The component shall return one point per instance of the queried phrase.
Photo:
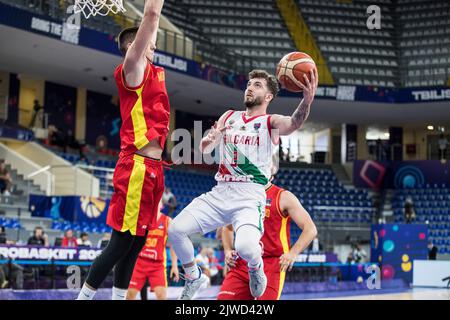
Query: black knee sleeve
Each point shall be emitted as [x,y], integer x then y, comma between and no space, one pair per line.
[119,245]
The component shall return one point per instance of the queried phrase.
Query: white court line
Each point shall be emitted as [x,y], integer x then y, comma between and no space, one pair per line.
[414,294]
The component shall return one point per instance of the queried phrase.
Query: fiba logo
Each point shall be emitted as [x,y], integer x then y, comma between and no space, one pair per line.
[92,207]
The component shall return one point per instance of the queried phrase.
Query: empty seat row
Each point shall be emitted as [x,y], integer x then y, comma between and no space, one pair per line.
[357,50]
[362,71]
[349,31]
[355,40]
[362,61]
[366,82]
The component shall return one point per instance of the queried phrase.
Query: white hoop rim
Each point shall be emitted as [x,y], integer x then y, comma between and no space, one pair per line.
[98,7]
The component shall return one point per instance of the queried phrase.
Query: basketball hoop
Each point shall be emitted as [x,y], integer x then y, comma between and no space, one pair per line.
[101,7]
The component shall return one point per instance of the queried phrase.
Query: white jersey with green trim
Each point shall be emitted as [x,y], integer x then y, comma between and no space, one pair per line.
[246,149]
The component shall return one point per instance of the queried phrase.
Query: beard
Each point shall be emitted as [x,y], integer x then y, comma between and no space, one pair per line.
[251,103]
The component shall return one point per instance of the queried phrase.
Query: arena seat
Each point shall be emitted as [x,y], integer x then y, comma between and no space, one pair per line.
[431,206]
[225,21]
[325,198]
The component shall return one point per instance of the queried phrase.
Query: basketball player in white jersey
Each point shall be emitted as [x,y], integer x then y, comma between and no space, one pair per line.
[246,143]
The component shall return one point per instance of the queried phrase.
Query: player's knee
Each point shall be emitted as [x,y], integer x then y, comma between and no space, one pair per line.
[247,250]
[247,242]
[160,293]
[175,232]
[131,294]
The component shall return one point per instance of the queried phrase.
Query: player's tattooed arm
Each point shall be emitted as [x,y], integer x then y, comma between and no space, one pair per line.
[287,125]
[300,114]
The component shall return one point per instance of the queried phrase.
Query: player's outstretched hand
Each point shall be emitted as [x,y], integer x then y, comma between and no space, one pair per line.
[309,90]
[174,273]
[230,258]
[287,261]
[215,133]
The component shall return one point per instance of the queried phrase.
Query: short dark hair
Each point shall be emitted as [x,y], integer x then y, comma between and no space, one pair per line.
[272,82]
[125,36]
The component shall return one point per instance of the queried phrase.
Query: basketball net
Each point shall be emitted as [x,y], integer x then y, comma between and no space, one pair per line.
[102,7]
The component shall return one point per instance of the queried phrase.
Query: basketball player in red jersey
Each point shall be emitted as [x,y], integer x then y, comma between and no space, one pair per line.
[138,177]
[152,261]
[282,207]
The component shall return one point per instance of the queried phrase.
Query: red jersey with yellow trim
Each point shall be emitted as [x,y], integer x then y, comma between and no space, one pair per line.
[144,109]
[277,233]
[155,246]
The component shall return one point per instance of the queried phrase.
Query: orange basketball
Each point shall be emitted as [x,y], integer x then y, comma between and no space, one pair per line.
[292,67]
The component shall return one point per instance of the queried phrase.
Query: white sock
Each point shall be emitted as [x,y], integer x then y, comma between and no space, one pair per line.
[119,294]
[86,293]
[192,272]
[255,264]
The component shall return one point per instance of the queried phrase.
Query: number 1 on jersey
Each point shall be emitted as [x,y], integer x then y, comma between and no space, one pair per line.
[235,158]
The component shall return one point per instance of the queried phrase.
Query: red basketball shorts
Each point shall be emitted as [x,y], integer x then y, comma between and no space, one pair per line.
[138,187]
[236,283]
[154,271]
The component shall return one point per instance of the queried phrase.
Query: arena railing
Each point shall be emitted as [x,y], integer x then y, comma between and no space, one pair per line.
[65,180]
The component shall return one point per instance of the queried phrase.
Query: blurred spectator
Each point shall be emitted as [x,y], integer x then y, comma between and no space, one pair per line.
[58,242]
[5,179]
[2,235]
[84,240]
[215,267]
[56,137]
[432,251]
[73,143]
[169,200]
[350,258]
[37,115]
[69,240]
[103,242]
[359,255]
[203,262]
[11,272]
[315,245]
[3,282]
[101,145]
[39,238]
[83,160]
[410,212]
[443,143]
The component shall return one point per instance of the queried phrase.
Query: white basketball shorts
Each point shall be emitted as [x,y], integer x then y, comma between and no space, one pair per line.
[236,203]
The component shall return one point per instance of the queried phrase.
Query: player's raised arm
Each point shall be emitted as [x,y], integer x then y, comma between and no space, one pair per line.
[286,125]
[292,206]
[145,40]
[209,142]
